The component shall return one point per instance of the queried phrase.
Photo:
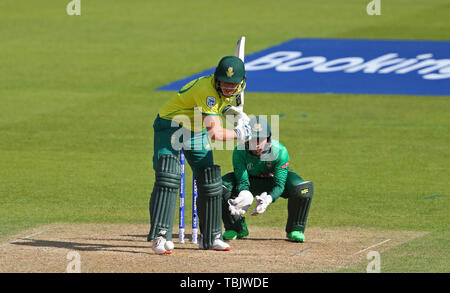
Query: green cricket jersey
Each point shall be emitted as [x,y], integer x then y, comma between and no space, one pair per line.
[271,165]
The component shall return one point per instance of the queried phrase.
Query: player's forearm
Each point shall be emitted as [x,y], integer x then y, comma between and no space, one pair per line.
[242,185]
[280,177]
[216,131]
[222,134]
[276,192]
[242,181]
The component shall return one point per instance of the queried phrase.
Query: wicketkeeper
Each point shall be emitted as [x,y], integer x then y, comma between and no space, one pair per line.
[262,169]
[174,128]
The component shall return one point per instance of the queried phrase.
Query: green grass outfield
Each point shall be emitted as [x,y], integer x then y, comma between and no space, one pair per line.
[78,99]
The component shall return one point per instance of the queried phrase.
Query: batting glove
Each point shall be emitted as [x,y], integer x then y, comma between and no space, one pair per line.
[236,115]
[244,132]
[262,202]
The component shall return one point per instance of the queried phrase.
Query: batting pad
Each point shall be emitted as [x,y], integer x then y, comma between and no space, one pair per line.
[209,203]
[163,200]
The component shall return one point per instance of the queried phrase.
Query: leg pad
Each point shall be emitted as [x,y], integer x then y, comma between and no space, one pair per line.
[299,203]
[164,196]
[209,204]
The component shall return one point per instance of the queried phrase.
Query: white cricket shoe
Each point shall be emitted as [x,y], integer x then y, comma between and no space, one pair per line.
[160,244]
[218,244]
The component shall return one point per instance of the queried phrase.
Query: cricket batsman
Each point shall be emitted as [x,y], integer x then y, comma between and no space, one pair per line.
[177,126]
[262,169]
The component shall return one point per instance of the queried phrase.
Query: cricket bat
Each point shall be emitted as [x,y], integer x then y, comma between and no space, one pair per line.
[240,53]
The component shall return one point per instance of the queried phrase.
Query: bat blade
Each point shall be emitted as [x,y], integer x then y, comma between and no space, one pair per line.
[240,49]
[240,53]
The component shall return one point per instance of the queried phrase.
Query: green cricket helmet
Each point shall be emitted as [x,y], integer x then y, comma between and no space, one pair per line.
[231,69]
[260,128]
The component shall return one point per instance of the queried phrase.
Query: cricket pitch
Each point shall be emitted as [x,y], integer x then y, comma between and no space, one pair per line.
[123,248]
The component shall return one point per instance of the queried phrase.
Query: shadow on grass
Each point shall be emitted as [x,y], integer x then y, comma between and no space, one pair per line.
[79,246]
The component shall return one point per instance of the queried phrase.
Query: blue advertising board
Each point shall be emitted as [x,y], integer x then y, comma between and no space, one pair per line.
[351,66]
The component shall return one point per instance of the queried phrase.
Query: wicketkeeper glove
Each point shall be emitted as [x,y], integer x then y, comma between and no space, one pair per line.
[262,202]
[240,204]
